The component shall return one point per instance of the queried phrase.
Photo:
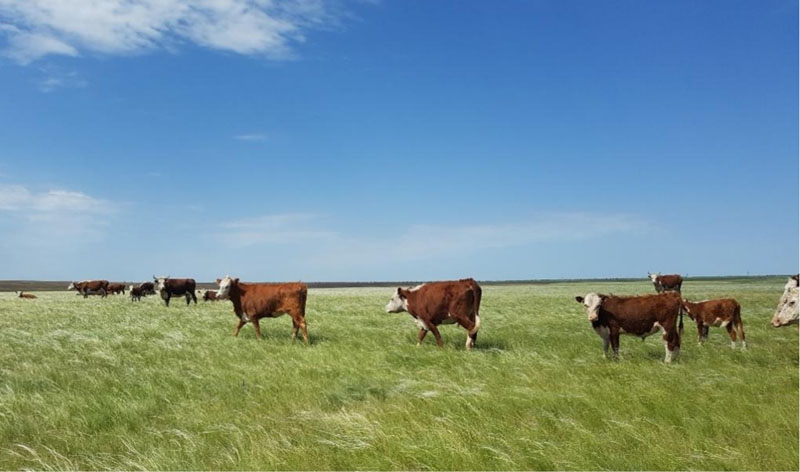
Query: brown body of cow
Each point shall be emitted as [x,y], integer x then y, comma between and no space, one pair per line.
[210,295]
[116,288]
[169,287]
[136,293]
[253,301]
[148,288]
[722,312]
[90,287]
[666,283]
[638,316]
[29,296]
[435,303]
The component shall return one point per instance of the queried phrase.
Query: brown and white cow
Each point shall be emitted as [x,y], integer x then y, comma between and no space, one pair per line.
[253,301]
[90,287]
[724,312]
[169,287]
[29,296]
[136,293]
[210,295]
[666,283]
[788,311]
[640,316]
[115,288]
[436,303]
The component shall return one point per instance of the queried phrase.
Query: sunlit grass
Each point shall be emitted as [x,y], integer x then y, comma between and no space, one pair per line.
[110,384]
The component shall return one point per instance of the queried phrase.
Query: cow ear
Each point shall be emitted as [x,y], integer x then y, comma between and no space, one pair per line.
[579,299]
[236,281]
[400,292]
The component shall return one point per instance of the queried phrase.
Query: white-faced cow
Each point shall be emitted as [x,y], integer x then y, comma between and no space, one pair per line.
[640,316]
[253,301]
[666,283]
[724,312]
[90,287]
[209,295]
[788,311]
[169,287]
[436,303]
[29,296]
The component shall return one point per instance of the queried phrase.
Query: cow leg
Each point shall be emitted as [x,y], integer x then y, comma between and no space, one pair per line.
[700,332]
[103,293]
[257,328]
[740,328]
[194,297]
[421,335]
[295,327]
[166,300]
[613,336]
[732,333]
[472,330]
[435,332]
[188,298]
[238,327]
[672,344]
[304,329]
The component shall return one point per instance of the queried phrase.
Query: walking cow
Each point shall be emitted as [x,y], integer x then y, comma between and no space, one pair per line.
[90,287]
[169,288]
[724,312]
[666,283]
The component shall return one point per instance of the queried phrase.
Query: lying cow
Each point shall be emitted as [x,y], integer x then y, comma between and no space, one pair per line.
[788,311]
[90,287]
[253,301]
[169,287]
[210,295]
[724,312]
[29,296]
[116,288]
[435,303]
[666,283]
[639,315]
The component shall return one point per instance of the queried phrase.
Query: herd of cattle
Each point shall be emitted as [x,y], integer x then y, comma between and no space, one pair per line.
[436,303]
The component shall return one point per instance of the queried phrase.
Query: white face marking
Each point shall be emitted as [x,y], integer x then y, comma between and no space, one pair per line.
[71,286]
[788,311]
[653,277]
[591,303]
[161,284]
[396,304]
[225,287]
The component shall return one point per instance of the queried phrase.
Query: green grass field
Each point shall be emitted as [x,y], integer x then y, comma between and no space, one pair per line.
[110,384]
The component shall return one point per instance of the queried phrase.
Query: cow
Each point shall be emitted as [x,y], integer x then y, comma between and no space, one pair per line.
[253,301]
[209,295]
[641,316]
[136,293]
[148,288]
[169,287]
[666,283]
[29,296]
[116,288]
[435,303]
[788,311]
[724,312]
[90,287]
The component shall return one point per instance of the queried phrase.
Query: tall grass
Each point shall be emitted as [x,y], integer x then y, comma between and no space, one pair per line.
[110,384]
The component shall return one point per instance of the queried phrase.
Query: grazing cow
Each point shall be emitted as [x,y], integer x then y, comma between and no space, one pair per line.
[666,283]
[210,295]
[148,288]
[116,288]
[169,288]
[638,315]
[29,296]
[90,287]
[253,301]
[724,312]
[788,311]
[435,303]
[136,293]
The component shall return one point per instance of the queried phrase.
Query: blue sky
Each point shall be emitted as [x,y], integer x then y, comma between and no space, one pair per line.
[397,140]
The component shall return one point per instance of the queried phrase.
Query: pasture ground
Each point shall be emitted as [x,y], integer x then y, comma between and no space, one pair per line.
[110,384]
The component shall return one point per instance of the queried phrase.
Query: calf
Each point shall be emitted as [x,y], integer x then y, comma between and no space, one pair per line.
[136,293]
[210,295]
[169,288]
[788,311]
[641,316]
[29,296]
[90,287]
[435,303]
[253,301]
[723,312]
[666,283]
[116,288]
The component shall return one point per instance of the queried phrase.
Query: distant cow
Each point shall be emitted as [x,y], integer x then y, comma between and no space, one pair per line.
[90,287]
[666,283]
[136,293]
[788,311]
[435,303]
[724,312]
[148,288]
[253,301]
[169,287]
[639,315]
[29,296]
[116,288]
[210,295]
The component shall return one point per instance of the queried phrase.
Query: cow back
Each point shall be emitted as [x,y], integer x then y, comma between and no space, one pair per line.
[270,299]
[637,314]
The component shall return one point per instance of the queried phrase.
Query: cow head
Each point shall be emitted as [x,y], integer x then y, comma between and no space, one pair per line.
[788,311]
[72,286]
[653,277]
[591,303]
[225,286]
[398,302]
[161,283]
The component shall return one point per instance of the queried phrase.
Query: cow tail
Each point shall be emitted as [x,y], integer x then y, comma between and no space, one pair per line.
[680,322]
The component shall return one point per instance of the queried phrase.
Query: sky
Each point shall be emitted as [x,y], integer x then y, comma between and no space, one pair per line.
[356,140]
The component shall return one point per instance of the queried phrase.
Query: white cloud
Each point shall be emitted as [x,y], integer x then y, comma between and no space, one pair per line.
[272,229]
[270,28]
[250,137]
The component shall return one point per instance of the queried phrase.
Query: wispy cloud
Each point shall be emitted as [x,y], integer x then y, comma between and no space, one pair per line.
[272,229]
[250,137]
[37,28]
[56,78]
